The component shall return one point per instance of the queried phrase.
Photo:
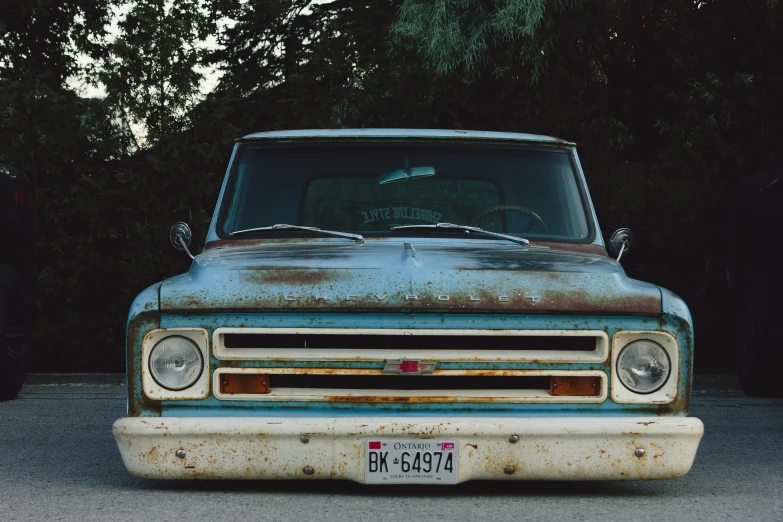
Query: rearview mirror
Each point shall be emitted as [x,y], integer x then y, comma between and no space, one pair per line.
[620,242]
[406,174]
[181,237]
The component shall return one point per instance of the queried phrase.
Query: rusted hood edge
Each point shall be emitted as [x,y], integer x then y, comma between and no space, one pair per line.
[391,277]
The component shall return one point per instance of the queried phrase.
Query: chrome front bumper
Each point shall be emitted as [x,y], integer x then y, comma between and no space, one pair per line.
[548,448]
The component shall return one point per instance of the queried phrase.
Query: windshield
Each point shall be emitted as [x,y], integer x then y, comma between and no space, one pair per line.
[368,189]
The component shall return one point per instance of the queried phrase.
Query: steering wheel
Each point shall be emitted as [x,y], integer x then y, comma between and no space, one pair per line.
[515,208]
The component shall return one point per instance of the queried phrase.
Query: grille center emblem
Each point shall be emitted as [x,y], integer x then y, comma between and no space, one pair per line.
[408,367]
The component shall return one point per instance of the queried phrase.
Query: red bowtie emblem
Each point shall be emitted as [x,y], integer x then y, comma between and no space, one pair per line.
[409,367]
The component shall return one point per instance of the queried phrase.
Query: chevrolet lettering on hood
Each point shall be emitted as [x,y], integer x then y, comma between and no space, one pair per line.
[408,297]
[427,305]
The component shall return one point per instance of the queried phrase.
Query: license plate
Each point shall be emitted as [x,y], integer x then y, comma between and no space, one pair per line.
[411,461]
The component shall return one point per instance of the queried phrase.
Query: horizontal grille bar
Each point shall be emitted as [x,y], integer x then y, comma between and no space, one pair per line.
[410,382]
[441,345]
[444,386]
[397,342]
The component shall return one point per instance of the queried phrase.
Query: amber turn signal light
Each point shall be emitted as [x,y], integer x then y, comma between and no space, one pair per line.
[582,386]
[240,383]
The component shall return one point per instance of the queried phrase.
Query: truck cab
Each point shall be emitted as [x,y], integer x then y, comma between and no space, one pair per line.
[407,306]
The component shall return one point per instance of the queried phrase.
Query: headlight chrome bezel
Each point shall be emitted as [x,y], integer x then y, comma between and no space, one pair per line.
[153,389]
[667,393]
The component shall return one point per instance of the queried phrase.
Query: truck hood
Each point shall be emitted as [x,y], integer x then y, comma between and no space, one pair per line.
[406,277]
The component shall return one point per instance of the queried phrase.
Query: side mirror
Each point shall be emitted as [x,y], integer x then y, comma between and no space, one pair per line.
[181,237]
[620,242]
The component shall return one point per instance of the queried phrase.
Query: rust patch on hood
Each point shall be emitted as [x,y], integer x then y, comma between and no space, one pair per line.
[292,276]
[573,247]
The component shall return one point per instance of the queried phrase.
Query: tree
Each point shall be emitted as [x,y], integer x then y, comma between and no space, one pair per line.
[460,36]
[151,69]
[685,91]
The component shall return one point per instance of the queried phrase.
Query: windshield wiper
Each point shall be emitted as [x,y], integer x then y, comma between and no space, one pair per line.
[466,228]
[281,226]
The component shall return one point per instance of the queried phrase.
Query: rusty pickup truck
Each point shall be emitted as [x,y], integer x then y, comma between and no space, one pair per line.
[407,306]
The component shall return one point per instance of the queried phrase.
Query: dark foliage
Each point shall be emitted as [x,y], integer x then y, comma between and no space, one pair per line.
[672,105]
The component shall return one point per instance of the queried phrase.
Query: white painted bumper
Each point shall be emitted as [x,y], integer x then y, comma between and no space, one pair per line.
[272,448]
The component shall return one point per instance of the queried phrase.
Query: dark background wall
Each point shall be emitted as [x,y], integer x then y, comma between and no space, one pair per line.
[672,106]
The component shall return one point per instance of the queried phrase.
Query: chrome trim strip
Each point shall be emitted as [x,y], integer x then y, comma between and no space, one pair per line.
[153,390]
[667,394]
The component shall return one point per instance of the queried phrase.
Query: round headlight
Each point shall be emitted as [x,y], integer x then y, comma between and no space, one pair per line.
[176,363]
[643,366]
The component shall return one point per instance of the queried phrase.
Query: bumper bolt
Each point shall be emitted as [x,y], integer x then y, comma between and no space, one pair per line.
[639,452]
[304,439]
[180,453]
[513,439]
[308,470]
[509,470]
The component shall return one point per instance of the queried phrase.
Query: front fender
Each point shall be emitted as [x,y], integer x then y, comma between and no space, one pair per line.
[676,319]
[144,316]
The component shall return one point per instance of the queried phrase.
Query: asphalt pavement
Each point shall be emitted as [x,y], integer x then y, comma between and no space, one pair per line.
[58,461]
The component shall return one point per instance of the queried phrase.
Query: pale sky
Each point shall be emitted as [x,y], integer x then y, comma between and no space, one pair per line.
[87,88]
